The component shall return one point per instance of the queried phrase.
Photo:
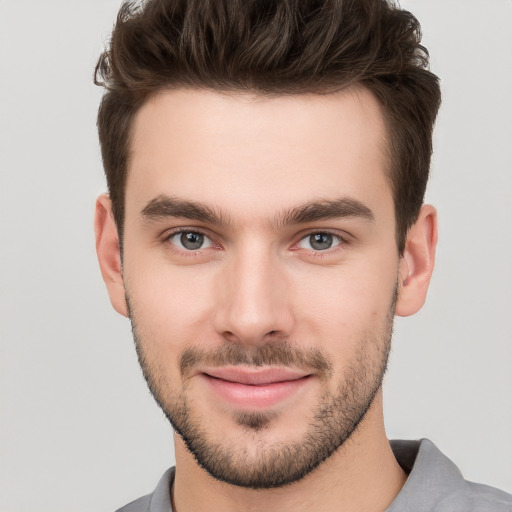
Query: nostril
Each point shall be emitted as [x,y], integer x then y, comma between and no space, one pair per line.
[230,336]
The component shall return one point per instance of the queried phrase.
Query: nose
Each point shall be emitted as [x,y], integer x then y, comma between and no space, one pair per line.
[254,304]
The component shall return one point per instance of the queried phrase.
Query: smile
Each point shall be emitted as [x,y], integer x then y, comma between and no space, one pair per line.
[256,389]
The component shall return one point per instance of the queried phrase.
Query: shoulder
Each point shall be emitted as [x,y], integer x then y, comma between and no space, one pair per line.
[138,505]
[435,484]
[158,501]
[473,497]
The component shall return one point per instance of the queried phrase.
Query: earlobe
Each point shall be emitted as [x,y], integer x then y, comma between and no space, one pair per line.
[109,254]
[417,262]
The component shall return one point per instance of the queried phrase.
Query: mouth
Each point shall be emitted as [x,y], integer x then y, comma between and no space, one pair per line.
[254,388]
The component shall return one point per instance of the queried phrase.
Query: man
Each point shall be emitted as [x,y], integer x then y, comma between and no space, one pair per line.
[266,164]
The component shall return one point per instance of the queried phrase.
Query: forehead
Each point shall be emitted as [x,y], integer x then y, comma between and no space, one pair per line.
[251,153]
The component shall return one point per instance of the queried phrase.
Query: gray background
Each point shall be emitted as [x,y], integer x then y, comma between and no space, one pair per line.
[78,429]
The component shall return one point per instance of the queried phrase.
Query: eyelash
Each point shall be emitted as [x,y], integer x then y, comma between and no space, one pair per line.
[342,241]
[166,239]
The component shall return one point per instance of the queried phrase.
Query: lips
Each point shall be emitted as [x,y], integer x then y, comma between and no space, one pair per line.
[254,389]
[259,377]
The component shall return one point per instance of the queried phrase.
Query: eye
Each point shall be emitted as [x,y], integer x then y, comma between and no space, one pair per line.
[190,240]
[320,241]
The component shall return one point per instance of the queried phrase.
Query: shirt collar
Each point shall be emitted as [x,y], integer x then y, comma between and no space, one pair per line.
[432,476]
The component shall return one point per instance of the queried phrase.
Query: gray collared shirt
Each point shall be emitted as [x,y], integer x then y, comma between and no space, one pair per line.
[434,484]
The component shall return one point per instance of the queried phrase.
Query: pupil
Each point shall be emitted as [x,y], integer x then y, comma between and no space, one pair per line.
[321,241]
[192,240]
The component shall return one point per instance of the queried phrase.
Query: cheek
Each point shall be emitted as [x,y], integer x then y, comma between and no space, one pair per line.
[344,305]
[170,306]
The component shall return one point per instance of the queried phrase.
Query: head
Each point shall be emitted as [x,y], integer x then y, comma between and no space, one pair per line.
[274,48]
[266,167]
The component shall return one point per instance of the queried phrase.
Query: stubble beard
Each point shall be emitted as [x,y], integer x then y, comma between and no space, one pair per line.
[335,418]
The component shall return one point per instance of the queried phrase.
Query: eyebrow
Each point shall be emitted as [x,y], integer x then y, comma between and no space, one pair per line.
[327,209]
[164,206]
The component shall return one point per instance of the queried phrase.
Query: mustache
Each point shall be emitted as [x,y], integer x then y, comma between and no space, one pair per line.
[269,354]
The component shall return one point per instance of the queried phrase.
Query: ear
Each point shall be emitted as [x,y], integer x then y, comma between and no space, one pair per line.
[109,254]
[417,262]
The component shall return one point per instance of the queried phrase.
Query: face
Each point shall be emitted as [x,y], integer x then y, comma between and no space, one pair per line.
[260,268]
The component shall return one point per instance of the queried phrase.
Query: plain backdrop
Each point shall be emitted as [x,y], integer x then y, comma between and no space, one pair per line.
[78,428]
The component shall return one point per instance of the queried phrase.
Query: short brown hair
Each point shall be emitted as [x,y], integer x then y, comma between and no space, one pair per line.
[273,47]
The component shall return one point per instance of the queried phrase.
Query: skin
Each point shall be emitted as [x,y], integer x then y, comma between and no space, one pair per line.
[258,280]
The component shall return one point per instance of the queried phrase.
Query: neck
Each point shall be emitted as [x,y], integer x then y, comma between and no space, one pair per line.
[362,475]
